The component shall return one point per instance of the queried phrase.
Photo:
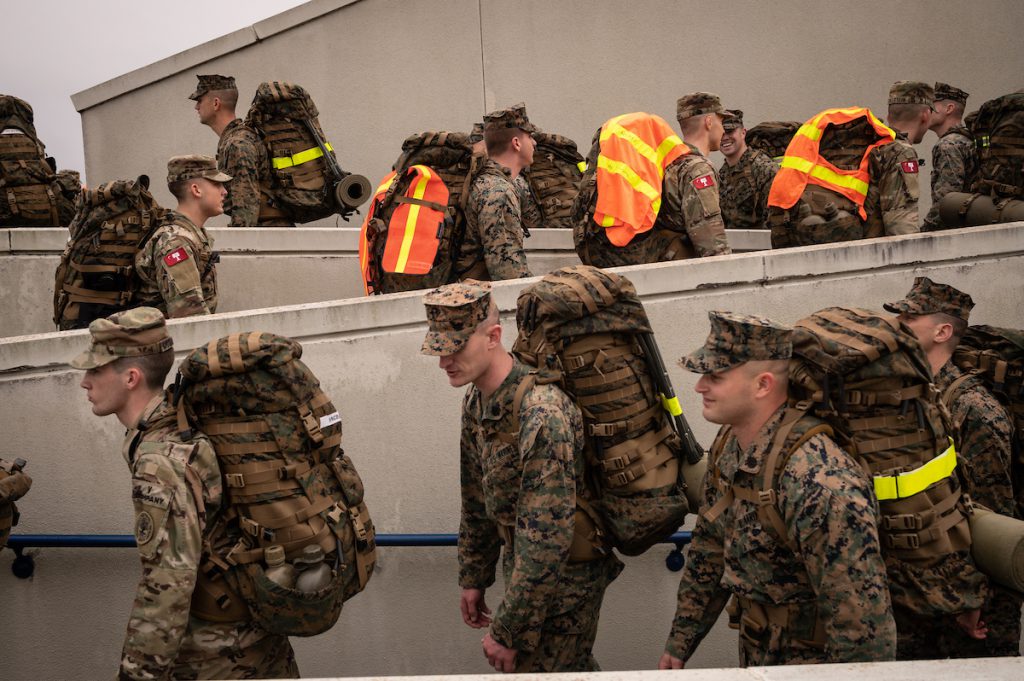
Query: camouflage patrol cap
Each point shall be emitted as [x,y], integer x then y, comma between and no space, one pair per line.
[736,339]
[736,121]
[477,135]
[211,83]
[947,91]
[453,313]
[927,297]
[512,117]
[911,92]
[700,103]
[132,333]
[194,165]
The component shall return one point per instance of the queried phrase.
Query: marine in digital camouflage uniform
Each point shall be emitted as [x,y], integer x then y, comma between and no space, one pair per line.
[240,154]
[519,488]
[14,484]
[176,268]
[983,434]
[817,595]
[492,248]
[745,177]
[177,493]
[954,156]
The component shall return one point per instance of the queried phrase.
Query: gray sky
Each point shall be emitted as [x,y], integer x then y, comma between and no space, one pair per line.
[55,48]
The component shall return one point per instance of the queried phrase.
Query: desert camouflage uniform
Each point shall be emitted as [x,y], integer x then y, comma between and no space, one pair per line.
[826,502]
[744,190]
[241,154]
[954,169]
[528,208]
[189,285]
[14,484]
[493,244]
[550,608]
[163,640]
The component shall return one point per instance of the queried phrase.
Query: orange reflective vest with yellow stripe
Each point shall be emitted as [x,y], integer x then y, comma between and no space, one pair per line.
[803,163]
[364,235]
[635,150]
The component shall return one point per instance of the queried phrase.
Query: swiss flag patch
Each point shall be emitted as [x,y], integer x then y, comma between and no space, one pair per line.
[909,166]
[704,181]
[178,255]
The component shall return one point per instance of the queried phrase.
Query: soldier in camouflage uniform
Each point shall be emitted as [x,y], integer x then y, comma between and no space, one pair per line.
[520,482]
[492,248]
[177,266]
[954,156]
[14,484]
[177,493]
[746,178]
[529,209]
[240,154]
[817,595]
[938,314]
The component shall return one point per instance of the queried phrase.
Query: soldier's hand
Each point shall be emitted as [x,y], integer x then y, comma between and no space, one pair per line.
[972,624]
[475,612]
[667,661]
[498,656]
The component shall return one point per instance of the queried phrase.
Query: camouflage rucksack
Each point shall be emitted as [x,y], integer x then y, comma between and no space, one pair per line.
[287,483]
[554,177]
[306,181]
[998,132]
[96,275]
[866,376]
[13,486]
[772,137]
[996,355]
[417,220]
[587,330]
[29,195]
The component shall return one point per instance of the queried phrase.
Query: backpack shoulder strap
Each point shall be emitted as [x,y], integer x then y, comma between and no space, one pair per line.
[717,447]
[953,390]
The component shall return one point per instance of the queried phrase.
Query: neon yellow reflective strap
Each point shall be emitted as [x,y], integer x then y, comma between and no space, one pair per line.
[810,130]
[298,159]
[582,165]
[385,185]
[848,181]
[797,163]
[635,181]
[672,406]
[910,483]
[414,214]
[655,156]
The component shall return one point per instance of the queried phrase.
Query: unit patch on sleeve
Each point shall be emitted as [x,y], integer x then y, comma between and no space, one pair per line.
[704,181]
[178,255]
[909,166]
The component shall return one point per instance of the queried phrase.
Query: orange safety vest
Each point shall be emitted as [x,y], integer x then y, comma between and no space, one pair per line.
[414,229]
[364,237]
[635,150]
[803,163]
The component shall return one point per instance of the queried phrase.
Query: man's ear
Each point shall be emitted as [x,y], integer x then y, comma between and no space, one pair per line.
[133,378]
[943,332]
[494,336]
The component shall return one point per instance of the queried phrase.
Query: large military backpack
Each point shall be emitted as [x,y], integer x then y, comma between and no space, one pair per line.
[772,137]
[287,483]
[417,221]
[14,484]
[29,195]
[96,275]
[587,330]
[998,132]
[306,181]
[996,355]
[554,178]
[864,374]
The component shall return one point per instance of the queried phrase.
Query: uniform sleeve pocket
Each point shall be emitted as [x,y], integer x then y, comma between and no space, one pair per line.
[151,506]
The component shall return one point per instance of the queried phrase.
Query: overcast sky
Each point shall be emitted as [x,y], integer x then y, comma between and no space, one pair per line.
[55,48]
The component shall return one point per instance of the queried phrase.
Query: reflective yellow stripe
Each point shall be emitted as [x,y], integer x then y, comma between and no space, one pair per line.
[655,156]
[582,165]
[635,181]
[810,130]
[385,185]
[301,157]
[910,483]
[672,406]
[825,174]
[410,222]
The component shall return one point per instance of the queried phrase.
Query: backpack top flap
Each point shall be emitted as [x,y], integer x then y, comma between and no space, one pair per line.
[97,206]
[279,99]
[439,150]
[17,113]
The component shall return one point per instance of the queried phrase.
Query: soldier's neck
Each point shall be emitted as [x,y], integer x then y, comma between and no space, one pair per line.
[135,406]
[510,161]
[762,412]
[222,121]
[193,212]
[948,125]
[736,156]
[497,371]
[938,356]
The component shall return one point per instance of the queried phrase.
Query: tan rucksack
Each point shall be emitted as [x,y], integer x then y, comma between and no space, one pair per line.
[772,137]
[998,131]
[554,177]
[29,194]
[96,275]
[287,483]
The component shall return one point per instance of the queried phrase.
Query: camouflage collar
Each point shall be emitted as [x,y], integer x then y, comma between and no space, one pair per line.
[507,172]
[947,374]
[499,404]
[752,458]
[958,130]
[237,123]
[153,411]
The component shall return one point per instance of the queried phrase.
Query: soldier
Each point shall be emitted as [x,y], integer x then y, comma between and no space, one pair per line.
[493,244]
[14,484]
[240,154]
[954,156]
[177,493]
[528,207]
[982,430]
[746,178]
[176,267]
[910,109]
[818,594]
[521,475]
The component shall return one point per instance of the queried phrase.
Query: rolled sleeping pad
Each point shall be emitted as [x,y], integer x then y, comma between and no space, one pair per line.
[997,544]
[960,209]
[352,191]
[693,476]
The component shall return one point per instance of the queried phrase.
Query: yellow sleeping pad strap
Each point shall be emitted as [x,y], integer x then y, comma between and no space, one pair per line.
[672,405]
[301,157]
[582,165]
[910,483]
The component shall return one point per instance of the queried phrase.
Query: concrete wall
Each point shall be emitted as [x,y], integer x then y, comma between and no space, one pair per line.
[258,268]
[383,69]
[401,429]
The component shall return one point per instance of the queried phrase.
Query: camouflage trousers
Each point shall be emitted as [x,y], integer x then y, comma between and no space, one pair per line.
[213,650]
[920,638]
[568,633]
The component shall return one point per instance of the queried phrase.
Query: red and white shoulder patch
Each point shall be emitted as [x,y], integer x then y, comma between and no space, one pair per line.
[175,257]
[704,181]
[909,166]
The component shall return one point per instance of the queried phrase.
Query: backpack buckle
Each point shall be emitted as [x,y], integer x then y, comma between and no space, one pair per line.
[234,480]
[906,521]
[903,541]
[766,497]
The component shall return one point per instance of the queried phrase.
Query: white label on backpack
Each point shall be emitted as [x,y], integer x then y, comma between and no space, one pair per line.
[329,420]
